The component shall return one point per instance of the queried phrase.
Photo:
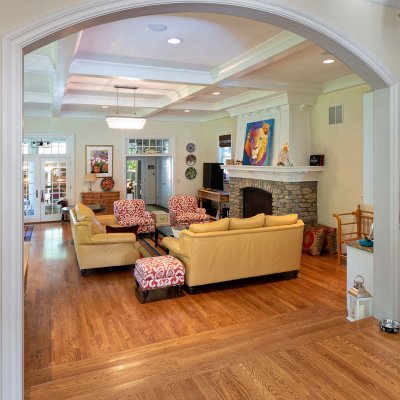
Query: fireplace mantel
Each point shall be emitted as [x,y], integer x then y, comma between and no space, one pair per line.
[277,174]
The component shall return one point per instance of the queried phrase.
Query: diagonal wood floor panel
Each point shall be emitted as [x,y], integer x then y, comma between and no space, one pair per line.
[275,338]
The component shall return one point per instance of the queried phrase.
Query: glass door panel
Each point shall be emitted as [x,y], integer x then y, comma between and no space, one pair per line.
[55,184]
[46,182]
[31,167]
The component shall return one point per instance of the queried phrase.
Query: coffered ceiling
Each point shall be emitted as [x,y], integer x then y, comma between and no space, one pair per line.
[248,63]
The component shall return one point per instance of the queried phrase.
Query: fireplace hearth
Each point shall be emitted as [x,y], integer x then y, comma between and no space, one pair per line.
[287,197]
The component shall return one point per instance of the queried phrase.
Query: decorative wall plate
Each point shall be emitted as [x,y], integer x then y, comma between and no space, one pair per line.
[107,183]
[190,147]
[191,159]
[191,173]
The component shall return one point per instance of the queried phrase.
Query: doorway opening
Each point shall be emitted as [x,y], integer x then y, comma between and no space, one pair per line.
[149,179]
[47,171]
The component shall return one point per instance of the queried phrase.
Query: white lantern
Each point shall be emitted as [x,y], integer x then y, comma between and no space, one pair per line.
[359,301]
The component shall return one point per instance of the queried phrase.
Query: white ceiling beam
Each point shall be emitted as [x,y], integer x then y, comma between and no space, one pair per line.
[65,52]
[37,97]
[38,64]
[280,46]
[144,72]
[272,50]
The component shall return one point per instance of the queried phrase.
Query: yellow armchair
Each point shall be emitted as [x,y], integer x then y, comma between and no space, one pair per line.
[98,250]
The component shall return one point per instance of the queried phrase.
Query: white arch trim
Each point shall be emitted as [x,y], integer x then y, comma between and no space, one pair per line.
[67,21]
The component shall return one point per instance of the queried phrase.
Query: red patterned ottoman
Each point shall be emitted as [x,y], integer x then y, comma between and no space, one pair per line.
[159,272]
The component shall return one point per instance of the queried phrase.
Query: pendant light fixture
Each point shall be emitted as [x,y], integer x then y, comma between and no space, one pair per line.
[125,121]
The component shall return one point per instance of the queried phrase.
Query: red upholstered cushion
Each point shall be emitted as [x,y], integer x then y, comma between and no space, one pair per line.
[122,229]
[313,240]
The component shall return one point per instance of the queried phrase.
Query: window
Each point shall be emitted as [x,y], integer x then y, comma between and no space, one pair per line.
[224,151]
[44,146]
[224,148]
[148,146]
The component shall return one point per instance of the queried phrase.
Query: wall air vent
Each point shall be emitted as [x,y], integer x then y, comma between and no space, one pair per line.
[336,115]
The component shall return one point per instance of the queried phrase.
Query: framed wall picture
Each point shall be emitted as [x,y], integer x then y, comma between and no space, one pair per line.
[258,140]
[99,160]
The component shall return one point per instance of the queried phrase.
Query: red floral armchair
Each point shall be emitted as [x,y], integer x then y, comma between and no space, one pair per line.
[183,211]
[132,212]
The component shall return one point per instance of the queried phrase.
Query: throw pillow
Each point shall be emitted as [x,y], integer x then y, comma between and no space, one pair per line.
[122,229]
[276,220]
[220,225]
[330,241]
[247,223]
[313,240]
[85,213]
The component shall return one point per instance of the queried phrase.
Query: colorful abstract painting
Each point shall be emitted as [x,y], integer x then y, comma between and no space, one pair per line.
[258,141]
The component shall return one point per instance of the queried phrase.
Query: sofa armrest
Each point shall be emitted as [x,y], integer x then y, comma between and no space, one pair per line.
[112,238]
[200,210]
[172,244]
[107,219]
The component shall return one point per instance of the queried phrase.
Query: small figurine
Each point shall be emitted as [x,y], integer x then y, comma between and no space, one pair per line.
[283,157]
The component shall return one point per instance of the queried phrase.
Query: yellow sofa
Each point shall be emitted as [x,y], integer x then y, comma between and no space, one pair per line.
[234,248]
[94,247]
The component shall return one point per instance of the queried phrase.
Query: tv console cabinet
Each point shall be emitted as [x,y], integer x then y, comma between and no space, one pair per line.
[218,196]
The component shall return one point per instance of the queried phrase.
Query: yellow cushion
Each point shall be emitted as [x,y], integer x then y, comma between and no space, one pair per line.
[276,220]
[85,213]
[220,225]
[247,223]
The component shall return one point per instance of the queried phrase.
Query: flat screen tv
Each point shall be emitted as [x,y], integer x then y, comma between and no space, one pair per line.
[213,176]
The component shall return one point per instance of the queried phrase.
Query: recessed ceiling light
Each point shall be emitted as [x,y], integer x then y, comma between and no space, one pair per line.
[327,58]
[174,40]
[133,79]
[216,93]
[104,106]
[187,110]
[156,27]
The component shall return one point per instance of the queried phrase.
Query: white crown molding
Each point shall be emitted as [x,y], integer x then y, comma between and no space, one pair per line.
[276,86]
[345,82]
[387,3]
[274,101]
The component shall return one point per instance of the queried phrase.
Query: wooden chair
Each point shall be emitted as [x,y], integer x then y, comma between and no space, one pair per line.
[352,226]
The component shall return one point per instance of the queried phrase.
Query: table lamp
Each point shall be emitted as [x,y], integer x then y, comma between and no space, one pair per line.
[90,178]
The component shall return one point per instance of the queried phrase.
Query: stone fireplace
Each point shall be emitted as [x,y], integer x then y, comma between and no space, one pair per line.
[295,194]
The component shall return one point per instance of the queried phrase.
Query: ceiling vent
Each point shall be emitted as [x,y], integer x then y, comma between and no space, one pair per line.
[336,115]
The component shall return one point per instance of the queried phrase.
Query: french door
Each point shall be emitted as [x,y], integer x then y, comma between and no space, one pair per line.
[47,180]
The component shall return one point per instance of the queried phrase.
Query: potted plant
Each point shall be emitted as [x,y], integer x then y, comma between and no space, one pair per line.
[97,164]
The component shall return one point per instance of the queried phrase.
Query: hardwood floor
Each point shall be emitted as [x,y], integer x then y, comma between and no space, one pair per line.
[274,338]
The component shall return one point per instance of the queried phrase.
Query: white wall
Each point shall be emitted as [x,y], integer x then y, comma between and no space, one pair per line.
[96,132]
[340,187]
[212,130]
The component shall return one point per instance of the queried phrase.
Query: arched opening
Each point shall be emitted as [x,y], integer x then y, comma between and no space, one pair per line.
[65,23]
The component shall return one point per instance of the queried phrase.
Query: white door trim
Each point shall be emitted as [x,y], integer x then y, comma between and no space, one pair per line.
[78,17]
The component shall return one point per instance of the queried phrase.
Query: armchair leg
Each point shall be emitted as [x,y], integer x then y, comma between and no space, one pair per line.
[145,295]
[179,291]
